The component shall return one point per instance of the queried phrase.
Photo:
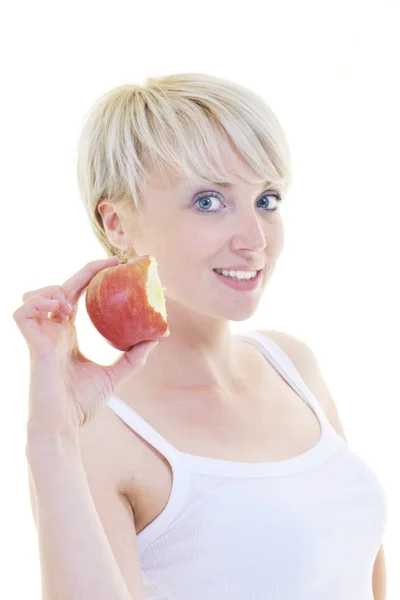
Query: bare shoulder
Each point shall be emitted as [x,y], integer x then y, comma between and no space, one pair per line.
[298,350]
[300,353]
[103,450]
[306,362]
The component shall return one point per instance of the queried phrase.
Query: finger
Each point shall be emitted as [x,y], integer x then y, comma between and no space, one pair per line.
[52,292]
[34,306]
[76,285]
[64,312]
[73,288]
[29,318]
[129,363]
[30,314]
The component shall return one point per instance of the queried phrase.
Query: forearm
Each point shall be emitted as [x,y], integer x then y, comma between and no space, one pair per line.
[75,556]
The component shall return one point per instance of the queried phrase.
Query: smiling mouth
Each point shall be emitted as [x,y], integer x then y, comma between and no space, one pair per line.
[226,273]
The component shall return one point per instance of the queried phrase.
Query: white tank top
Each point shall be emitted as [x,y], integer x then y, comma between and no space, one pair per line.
[305,528]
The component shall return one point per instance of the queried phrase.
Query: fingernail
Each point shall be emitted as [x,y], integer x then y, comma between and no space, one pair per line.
[70,306]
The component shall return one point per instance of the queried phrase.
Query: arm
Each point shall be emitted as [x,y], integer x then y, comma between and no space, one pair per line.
[76,557]
[379,576]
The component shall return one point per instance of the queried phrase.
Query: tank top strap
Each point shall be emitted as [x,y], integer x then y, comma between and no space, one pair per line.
[140,426]
[285,367]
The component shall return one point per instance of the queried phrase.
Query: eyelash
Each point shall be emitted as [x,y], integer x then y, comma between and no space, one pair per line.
[218,195]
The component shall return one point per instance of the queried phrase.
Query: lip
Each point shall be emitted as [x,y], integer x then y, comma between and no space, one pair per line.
[243,286]
[240,268]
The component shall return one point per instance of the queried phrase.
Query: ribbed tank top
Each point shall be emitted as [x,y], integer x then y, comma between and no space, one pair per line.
[305,528]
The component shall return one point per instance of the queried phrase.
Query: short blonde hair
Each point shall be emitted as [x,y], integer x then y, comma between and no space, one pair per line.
[173,121]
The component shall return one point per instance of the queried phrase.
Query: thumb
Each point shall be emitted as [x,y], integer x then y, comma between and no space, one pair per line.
[130,362]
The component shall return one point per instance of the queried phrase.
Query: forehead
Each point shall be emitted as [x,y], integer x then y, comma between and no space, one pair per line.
[232,168]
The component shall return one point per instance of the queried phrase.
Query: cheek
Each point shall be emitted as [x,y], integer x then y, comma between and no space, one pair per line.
[176,249]
[197,240]
[281,235]
[276,236]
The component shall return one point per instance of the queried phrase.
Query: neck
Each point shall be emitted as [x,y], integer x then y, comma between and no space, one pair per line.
[199,355]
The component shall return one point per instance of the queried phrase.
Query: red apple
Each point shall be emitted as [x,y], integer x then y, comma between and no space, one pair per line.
[126,303]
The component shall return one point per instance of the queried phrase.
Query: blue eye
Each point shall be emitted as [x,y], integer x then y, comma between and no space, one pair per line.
[209,195]
[275,196]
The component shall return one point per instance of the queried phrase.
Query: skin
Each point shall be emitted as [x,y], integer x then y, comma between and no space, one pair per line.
[188,244]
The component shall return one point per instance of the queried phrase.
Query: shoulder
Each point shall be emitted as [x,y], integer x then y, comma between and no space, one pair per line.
[299,352]
[104,451]
[306,362]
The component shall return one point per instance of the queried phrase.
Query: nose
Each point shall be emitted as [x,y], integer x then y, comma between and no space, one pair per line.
[250,236]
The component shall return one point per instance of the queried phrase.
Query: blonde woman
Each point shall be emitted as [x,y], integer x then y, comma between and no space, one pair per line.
[214,467]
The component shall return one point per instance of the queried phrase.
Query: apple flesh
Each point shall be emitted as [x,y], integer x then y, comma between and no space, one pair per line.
[126,303]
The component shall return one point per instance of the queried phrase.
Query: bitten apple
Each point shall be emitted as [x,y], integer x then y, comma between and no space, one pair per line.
[126,303]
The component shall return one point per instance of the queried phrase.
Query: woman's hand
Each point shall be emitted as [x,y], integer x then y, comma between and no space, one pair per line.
[66,388]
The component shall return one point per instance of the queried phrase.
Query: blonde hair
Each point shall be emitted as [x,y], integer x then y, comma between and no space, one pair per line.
[173,121]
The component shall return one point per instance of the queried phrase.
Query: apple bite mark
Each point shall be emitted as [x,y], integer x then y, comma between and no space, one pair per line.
[155,292]
[126,303]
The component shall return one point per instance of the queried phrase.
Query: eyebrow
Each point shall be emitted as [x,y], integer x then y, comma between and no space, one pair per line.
[226,185]
[222,184]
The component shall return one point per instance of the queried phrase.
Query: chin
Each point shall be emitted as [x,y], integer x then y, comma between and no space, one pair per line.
[239,312]
[240,317]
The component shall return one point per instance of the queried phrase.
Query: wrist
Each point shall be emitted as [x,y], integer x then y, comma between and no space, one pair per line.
[42,444]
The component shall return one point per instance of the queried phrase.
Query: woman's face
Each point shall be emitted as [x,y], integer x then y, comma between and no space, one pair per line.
[193,230]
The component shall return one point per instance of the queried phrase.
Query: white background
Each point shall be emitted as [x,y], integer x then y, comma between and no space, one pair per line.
[330,72]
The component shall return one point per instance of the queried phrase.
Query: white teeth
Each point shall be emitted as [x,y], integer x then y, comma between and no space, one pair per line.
[237,274]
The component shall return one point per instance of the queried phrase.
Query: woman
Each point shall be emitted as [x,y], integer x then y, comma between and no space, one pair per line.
[214,467]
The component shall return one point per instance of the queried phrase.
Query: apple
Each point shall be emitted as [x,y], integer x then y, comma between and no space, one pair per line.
[126,303]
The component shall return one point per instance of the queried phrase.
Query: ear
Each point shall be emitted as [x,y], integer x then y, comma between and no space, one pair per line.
[114,224]
[110,214]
